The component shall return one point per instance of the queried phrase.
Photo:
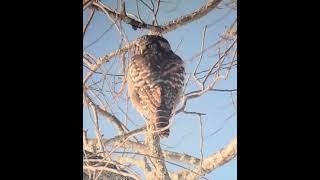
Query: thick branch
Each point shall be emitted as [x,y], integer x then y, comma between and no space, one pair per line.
[143,149]
[223,156]
[153,141]
[183,20]
[211,163]
[169,26]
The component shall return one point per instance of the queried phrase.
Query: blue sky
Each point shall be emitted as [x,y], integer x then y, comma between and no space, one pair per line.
[218,107]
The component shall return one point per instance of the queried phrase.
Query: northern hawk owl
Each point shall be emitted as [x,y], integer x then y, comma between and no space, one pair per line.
[155,81]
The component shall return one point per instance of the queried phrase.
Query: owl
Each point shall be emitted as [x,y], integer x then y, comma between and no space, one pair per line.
[155,79]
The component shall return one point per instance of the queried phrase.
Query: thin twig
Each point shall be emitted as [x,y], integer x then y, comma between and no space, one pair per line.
[89,20]
[96,40]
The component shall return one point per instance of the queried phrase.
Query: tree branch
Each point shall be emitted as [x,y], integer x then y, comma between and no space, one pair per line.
[223,156]
[169,26]
[183,20]
[89,20]
[154,150]
[114,120]
[133,22]
[211,163]
[86,4]
[138,163]
[121,138]
[143,149]
[105,58]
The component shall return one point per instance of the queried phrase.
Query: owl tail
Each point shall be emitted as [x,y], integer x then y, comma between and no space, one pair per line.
[161,122]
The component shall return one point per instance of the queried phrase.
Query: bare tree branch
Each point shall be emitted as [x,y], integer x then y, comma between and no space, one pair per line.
[153,142]
[133,22]
[183,20]
[169,26]
[143,149]
[106,58]
[86,4]
[138,163]
[212,162]
[114,120]
[122,8]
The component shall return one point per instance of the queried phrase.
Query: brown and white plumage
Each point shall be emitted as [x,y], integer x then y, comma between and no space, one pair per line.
[155,80]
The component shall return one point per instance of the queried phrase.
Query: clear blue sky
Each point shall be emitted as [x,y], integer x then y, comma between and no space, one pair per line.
[218,107]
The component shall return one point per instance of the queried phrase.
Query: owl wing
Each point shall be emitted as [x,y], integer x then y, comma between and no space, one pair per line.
[173,74]
[143,89]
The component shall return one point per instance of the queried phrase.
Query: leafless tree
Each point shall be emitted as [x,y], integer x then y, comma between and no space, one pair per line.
[124,153]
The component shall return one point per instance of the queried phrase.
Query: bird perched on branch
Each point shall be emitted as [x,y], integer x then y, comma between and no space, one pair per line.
[155,81]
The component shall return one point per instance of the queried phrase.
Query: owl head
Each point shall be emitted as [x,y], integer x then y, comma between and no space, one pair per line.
[152,43]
